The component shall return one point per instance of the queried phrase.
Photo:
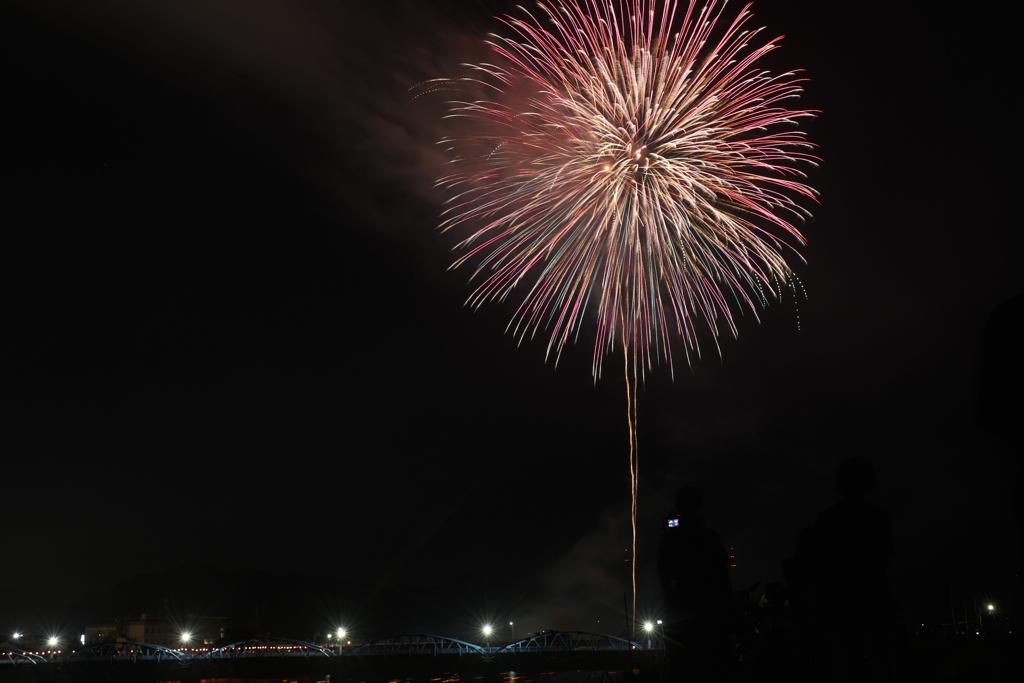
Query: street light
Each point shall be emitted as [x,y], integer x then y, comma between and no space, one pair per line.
[513,627]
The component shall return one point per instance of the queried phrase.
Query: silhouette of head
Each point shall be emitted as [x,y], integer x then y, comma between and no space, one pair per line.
[689,502]
[856,477]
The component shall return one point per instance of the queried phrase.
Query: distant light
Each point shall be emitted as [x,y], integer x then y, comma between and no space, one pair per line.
[17,635]
[659,622]
[991,607]
[82,639]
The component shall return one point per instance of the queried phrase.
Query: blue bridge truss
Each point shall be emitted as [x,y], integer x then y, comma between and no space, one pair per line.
[565,642]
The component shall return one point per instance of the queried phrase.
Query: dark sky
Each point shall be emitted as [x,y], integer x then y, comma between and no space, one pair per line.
[231,336]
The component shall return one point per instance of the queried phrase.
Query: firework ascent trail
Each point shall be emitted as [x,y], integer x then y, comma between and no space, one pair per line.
[629,162]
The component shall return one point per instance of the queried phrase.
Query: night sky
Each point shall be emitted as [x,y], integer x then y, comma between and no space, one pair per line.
[231,336]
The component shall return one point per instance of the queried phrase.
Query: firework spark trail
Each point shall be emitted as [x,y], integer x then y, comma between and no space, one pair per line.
[630,164]
[634,469]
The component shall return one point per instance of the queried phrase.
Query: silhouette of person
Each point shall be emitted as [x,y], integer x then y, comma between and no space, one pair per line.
[1000,406]
[805,596]
[694,569]
[853,547]
[798,573]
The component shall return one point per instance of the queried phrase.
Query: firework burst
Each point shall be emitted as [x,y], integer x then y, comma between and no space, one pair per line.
[633,164]
[630,163]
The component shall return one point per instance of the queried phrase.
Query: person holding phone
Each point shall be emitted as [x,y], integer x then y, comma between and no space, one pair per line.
[694,569]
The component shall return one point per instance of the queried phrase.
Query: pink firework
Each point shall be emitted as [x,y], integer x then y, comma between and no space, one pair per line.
[633,164]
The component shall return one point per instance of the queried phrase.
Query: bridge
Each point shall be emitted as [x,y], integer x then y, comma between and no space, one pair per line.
[550,657]
[576,643]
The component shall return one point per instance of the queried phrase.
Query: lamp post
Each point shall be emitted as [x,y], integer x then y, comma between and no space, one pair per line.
[649,631]
[513,627]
